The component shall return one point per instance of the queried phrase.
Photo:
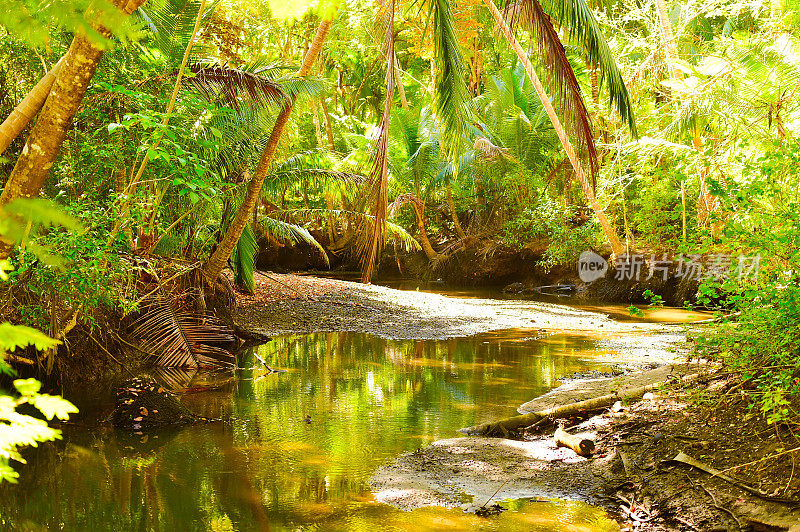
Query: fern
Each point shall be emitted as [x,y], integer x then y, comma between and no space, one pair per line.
[243,259]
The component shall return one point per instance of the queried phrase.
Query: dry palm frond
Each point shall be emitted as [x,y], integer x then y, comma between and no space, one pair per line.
[230,84]
[567,88]
[401,200]
[373,235]
[490,151]
[177,338]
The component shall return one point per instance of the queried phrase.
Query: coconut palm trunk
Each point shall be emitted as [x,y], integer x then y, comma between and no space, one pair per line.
[609,231]
[425,242]
[24,112]
[217,261]
[453,214]
[55,118]
[670,50]
[328,128]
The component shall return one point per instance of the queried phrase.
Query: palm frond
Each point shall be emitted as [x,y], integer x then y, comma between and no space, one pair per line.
[215,81]
[566,85]
[178,338]
[292,233]
[304,169]
[577,17]
[243,259]
[394,232]
[451,102]
[373,235]
[403,199]
[171,23]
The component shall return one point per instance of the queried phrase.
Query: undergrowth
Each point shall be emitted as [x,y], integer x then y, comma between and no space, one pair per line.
[761,341]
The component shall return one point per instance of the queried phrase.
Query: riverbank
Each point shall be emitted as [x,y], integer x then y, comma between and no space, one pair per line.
[631,473]
[298,304]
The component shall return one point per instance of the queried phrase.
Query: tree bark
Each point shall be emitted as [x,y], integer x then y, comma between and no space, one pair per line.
[317,129]
[430,253]
[670,50]
[581,446]
[217,261]
[328,129]
[453,214]
[24,112]
[400,88]
[609,232]
[33,165]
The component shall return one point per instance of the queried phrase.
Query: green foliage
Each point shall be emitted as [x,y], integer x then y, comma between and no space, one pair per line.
[556,225]
[243,259]
[20,430]
[31,20]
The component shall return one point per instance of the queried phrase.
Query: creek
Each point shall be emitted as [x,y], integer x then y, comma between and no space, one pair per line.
[295,449]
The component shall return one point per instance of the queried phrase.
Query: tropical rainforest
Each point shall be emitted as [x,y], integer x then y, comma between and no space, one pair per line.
[154,153]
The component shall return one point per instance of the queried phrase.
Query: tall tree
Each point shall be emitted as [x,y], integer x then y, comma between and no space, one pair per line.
[552,47]
[26,110]
[55,118]
[217,261]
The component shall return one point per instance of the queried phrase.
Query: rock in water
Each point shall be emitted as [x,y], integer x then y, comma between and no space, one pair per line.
[143,404]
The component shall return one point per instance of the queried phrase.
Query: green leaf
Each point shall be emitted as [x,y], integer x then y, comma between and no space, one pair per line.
[14,336]
[7,473]
[27,387]
[243,259]
[5,267]
[43,212]
[54,406]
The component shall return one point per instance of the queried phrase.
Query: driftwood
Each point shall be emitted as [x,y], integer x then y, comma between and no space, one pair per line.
[582,446]
[688,460]
[507,425]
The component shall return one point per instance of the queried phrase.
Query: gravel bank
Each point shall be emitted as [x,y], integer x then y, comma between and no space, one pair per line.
[296,304]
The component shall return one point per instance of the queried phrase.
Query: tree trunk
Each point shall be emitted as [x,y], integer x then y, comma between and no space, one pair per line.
[504,426]
[23,113]
[33,165]
[453,214]
[670,50]
[317,129]
[608,230]
[430,253]
[400,88]
[215,264]
[328,129]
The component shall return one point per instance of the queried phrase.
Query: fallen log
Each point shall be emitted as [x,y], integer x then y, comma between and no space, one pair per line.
[507,425]
[582,446]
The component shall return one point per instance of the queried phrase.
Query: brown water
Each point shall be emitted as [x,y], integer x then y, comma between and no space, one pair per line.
[265,468]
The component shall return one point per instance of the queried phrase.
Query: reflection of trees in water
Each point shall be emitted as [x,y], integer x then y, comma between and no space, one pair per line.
[369,400]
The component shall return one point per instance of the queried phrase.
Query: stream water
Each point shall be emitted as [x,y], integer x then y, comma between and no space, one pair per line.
[296,449]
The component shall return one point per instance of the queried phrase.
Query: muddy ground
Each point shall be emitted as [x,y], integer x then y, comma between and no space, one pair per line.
[631,472]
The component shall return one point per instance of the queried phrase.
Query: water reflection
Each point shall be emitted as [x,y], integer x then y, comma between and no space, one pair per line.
[296,449]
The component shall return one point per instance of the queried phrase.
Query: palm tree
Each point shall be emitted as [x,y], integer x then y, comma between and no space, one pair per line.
[583,27]
[216,262]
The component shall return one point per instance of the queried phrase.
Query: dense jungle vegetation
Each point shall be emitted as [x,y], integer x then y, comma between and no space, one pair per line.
[149,144]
